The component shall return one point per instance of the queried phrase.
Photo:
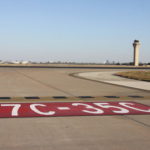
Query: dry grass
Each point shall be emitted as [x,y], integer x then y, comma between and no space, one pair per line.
[138,75]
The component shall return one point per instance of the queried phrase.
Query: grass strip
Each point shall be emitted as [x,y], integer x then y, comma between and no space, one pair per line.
[137,75]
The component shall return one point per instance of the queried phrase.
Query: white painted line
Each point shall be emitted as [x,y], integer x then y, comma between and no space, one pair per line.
[63,108]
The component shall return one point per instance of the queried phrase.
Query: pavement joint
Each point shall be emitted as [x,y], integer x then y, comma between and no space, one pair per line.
[139,122]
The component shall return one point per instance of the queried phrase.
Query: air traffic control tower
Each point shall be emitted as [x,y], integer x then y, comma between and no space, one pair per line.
[136,46]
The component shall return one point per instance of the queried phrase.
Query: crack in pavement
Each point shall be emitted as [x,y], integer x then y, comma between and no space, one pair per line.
[47,85]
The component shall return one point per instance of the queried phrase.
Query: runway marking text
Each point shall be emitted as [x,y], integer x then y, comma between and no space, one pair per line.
[8,110]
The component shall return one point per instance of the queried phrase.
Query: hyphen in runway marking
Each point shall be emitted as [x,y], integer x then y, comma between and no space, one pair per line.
[53,109]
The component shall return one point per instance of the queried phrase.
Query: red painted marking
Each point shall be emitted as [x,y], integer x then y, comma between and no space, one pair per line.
[9,110]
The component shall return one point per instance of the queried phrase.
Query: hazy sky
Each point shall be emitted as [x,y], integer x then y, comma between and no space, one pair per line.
[74,30]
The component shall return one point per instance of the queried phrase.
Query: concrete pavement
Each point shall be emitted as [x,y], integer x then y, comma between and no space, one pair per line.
[69,133]
[55,82]
[109,77]
[75,133]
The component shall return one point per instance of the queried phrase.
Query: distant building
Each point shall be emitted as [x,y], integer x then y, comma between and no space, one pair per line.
[24,62]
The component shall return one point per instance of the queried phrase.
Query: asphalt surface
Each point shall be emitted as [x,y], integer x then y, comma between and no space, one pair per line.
[126,132]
